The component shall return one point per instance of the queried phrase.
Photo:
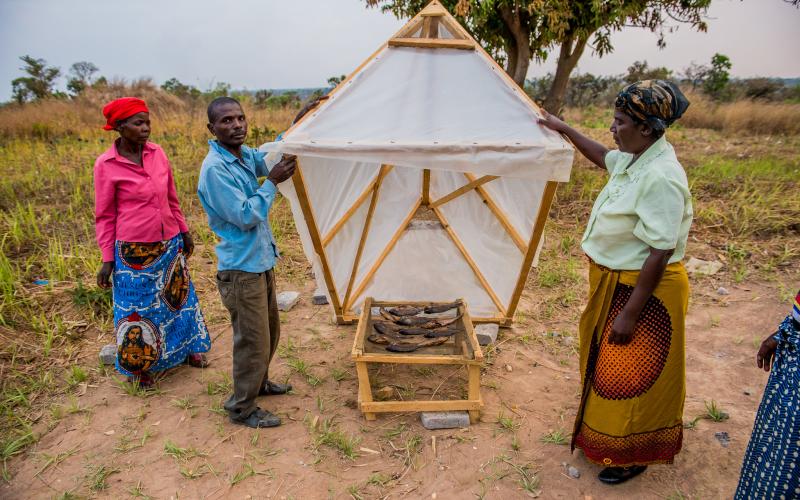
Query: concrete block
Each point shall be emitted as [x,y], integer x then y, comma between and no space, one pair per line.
[319,298]
[108,354]
[433,420]
[287,300]
[487,333]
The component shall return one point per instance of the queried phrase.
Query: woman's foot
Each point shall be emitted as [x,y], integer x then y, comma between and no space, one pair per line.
[197,360]
[143,380]
[618,475]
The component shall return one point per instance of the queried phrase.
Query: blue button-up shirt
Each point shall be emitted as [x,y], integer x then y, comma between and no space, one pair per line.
[238,208]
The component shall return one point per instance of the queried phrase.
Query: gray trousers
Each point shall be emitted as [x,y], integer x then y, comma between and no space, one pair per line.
[250,299]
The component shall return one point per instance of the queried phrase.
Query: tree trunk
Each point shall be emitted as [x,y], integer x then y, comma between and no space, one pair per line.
[567,60]
[519,52]
[511,58]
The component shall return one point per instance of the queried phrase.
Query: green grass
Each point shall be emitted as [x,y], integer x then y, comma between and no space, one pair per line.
[328,434]
[557,436]
[714,412]
[97,476]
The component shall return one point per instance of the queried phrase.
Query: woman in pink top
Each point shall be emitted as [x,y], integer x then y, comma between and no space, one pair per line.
[144,241]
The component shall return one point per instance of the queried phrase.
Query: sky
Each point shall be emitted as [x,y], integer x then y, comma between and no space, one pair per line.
[254,44]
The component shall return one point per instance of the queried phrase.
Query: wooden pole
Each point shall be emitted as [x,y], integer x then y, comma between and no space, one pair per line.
[426,186]
[313,230]
[383,255]
[470,261]
[433,43]
[536,236]
[365,232]
[501,216]
[462,190]
[352,210]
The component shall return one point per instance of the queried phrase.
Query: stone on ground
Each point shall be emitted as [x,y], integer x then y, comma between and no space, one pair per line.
[108,354]
[487,333]
[703,267]
[287,300]
[433,420]
[319,298]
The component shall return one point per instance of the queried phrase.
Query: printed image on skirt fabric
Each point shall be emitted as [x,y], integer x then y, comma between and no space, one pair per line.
[157,318]
[138,343]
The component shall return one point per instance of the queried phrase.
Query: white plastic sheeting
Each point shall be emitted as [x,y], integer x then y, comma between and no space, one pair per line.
[445,109]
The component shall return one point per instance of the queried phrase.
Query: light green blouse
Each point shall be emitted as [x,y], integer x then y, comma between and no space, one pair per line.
[644,204]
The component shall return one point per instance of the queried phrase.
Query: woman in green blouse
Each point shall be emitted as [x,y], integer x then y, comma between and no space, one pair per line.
[632,330]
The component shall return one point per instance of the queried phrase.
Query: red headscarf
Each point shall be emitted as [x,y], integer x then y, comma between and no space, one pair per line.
[122,108]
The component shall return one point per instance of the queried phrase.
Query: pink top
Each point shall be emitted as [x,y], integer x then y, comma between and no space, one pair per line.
[133,203]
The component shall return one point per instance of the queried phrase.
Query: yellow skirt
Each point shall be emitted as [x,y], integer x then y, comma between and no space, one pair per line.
[631,409]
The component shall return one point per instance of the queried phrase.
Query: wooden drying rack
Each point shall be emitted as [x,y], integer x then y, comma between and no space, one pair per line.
[463,350]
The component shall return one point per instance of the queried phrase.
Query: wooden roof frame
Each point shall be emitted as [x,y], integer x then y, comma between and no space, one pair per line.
[428,19]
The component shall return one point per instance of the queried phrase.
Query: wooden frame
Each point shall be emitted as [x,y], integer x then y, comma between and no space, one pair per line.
[465,350]
[426,20]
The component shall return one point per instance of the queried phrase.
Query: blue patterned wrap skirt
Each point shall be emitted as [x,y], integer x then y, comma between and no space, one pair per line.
[771,466]
[157,318]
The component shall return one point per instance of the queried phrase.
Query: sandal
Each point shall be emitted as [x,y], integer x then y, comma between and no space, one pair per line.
[197,360]
[618,475]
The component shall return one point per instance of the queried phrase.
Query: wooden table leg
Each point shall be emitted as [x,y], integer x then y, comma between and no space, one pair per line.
[474,391]
[364,388]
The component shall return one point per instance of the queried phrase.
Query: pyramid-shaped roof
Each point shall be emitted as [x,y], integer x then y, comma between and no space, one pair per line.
[430,97]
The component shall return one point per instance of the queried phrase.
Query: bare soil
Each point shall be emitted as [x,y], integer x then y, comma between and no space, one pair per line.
[530,389]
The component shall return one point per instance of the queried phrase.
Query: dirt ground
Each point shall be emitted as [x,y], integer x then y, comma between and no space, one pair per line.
[176,444]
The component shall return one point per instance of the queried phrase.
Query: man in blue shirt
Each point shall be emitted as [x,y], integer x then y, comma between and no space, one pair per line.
[238,211]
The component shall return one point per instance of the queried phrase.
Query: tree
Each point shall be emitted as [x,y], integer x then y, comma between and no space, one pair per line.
[39,82]
[176,88]
[515,31]
[260,97]
[718,76]
[336,80]
[639,71]
[81,76]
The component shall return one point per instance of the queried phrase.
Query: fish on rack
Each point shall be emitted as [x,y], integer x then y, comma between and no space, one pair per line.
[440,308]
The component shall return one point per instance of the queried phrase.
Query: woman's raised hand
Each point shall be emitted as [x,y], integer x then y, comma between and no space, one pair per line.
[552,122]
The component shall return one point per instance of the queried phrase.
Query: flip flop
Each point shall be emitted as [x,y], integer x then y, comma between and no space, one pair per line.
[618,475]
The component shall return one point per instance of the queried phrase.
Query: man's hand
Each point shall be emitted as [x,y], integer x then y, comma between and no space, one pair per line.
[188,244]
[622,328]
[283,170]
[766,352]
[308,107]
[104,275]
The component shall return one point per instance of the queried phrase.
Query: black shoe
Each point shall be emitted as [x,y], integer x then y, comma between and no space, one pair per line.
[618,475]
[271,388]
[259,418]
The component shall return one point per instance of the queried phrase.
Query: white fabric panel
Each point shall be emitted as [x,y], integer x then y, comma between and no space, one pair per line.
[341,251]
[444,109]
[400,190]
[288,191]
[484,238]
[426,265]
[334,185]
[519,199]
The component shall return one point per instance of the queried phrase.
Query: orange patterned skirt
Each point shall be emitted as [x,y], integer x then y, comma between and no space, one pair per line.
[631,409]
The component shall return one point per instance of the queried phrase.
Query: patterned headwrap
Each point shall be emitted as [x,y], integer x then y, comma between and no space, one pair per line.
[657,103]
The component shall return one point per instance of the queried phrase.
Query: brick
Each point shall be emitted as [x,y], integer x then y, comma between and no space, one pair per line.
[432,420]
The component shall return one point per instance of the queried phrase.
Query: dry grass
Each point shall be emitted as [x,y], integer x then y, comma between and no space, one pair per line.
[745,116]
[82,118]
[739,117]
